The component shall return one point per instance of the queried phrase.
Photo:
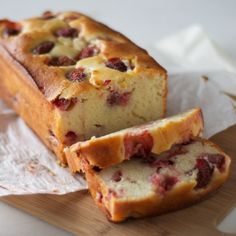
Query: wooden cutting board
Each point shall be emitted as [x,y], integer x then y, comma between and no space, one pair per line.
[78,214]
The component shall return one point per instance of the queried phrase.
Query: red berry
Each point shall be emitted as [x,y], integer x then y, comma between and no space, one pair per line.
[116,64]
[117,176]
[70,138]
[67,32]
[47,15]
[163,183]
[77,75]
[99,197]
[44,47]
[64,104]
[106,82]
[61,61]
[96,168]
[138,144]
[89,51]
[204,174]
[215,159]
[11,28]
[111,194]
[169,182]
[10,32]
[116,98]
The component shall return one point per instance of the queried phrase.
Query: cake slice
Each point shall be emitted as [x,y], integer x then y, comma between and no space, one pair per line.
[153,137]
[70,78]
[157,184]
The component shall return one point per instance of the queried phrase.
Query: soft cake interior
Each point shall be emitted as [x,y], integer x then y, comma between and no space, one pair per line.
[138,178]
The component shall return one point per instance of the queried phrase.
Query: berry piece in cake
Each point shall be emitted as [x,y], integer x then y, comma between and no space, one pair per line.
[163,183]
[89,51]
[106,82]
[70,138]
[67,32]
[216,159]
[99,197]
[116,98]
[61,61]
[77,75]
[47,15]
[11,29]
[169,182]
[138,144]
[204,174]
[10,32]
[117,176]
[116,64]
[43,48]
[64,104]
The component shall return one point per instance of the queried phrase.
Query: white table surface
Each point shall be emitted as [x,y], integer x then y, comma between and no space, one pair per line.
[143,21]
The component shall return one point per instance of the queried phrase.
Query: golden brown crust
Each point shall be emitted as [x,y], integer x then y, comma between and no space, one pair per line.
[109,150]
[52,79]
[19,90]
[182,196]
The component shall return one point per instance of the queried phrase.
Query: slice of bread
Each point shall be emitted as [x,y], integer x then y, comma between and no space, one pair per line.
[153,137]
[157,184]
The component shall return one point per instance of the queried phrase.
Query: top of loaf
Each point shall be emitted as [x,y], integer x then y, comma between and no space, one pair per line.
[68,53]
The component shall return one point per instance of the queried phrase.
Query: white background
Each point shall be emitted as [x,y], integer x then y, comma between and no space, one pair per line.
[143,21]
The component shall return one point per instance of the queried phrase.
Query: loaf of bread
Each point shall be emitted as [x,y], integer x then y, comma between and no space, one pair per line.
[153,137]
[71,78]
[157,184]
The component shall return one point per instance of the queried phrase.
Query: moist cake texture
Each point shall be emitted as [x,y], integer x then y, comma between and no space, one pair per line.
[159,183]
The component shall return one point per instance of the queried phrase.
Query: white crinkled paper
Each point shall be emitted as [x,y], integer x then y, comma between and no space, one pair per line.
[200,74]
[27,166]
[191,89]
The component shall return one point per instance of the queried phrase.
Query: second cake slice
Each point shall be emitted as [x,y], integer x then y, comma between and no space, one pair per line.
[158,184]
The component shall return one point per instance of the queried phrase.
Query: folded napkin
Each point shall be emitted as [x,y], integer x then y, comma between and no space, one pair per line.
[200,74]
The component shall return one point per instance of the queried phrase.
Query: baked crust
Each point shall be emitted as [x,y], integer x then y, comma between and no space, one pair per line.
[109,150]
[34,85]
[21,93]
[52,79]
[179,197]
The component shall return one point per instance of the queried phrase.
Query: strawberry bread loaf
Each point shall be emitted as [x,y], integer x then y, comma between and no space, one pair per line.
[70,78]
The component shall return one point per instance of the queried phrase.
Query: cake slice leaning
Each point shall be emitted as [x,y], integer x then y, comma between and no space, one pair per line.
[158,184]
[153,137]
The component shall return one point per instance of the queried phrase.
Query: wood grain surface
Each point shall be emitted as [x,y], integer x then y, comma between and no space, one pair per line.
[78,214]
